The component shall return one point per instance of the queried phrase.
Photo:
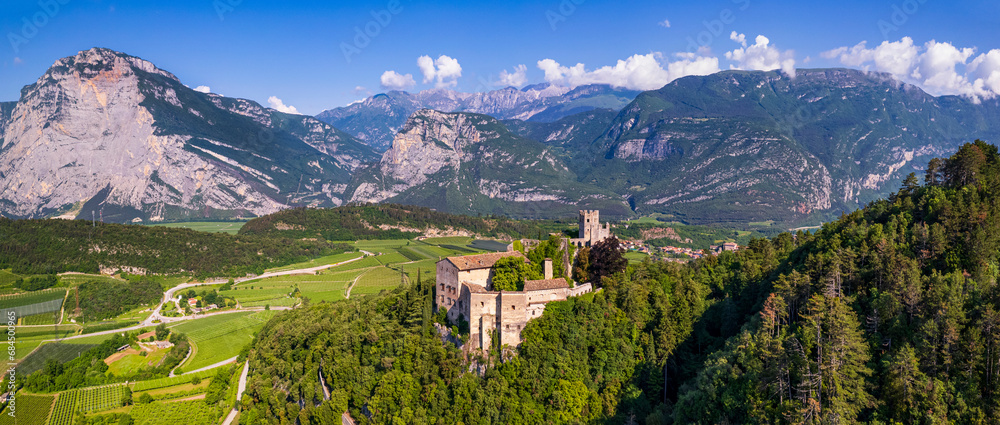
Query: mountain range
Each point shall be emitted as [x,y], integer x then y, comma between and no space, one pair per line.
[106,135]
[377,119]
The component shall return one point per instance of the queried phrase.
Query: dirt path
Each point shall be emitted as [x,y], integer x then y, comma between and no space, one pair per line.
[194,397]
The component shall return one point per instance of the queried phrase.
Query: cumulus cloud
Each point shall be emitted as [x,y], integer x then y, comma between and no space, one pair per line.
[760,56]
[203,89]
[391,80]
[444,71]
[17,61]
[665,23]
[516,78]
[939,68]
[279,105]
[639,72]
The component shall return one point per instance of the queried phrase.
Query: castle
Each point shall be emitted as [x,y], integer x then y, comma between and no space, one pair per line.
[464,289]
[591,231]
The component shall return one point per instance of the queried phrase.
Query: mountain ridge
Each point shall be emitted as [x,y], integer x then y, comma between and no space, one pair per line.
[105,132]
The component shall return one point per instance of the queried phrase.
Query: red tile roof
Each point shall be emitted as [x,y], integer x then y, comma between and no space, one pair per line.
[481,261]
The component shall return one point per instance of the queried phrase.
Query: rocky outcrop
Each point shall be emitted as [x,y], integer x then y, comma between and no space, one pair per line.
[377,119]
[470,163]
[110,133]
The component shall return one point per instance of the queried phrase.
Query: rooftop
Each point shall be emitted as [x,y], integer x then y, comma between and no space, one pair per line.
[539,285]
[481,261]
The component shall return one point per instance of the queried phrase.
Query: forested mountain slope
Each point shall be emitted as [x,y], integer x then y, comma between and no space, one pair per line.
[888,315]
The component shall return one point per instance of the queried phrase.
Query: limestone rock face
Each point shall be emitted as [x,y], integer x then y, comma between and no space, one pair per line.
[113,134]
[377,119]
[470,163]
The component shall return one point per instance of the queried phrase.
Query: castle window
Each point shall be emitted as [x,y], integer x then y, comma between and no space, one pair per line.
[508,327]
[513,308]
[482,304]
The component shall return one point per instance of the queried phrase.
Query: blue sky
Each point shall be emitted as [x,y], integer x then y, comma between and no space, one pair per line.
[294,51]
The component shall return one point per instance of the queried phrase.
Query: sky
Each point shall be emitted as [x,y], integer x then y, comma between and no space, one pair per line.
[307,56]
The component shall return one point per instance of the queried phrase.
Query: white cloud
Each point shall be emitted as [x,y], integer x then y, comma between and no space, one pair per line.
[516,78]
[391,80]
[203,89]
[639,72]
[665,23]
[939,68]
[445,70]
[17,61]
[280,106]
[761,55]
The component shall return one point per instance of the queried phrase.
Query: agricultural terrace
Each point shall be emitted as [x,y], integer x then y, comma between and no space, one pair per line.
[219,337]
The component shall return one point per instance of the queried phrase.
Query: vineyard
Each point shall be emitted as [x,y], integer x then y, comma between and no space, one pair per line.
[30,409]
[65,408]
[33,303]
[220,337]
[97,399]
[55,351]
[189,412]
[173,381]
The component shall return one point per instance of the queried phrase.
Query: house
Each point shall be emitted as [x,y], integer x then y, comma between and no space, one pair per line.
[192,302]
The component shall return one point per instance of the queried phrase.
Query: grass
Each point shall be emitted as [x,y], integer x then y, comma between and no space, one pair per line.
[375,280]
[8,278]
[231,227]
[635,257]
[220,337]
[135,362]
[77,279]
[89,340]
[316,262]
[29,409]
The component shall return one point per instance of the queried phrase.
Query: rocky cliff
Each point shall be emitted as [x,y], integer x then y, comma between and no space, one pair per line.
[470,163]
[376,119]
[109,134]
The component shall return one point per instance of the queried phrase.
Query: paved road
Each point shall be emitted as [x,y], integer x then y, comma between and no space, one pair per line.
[222,363]
[239,393]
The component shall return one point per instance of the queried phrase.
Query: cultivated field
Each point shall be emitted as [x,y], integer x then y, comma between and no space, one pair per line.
[220,337]
[230,227]
[30,409]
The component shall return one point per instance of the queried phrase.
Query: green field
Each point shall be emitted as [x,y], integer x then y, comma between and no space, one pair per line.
[220,337]
[376,280]
[7,278]
[231,227]
[135,362]
[156,384]
[29,409]
[194,412]
[75,279]
[316,262]
[634,257]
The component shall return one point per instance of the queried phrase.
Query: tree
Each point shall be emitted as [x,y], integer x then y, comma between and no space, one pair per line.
[162,332]
[606,259]
[581,267]
[508,274]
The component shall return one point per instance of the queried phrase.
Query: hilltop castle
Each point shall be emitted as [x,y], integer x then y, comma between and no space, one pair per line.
[465,290]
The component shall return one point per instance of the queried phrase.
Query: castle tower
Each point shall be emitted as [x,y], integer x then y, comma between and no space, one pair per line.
[590,227]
